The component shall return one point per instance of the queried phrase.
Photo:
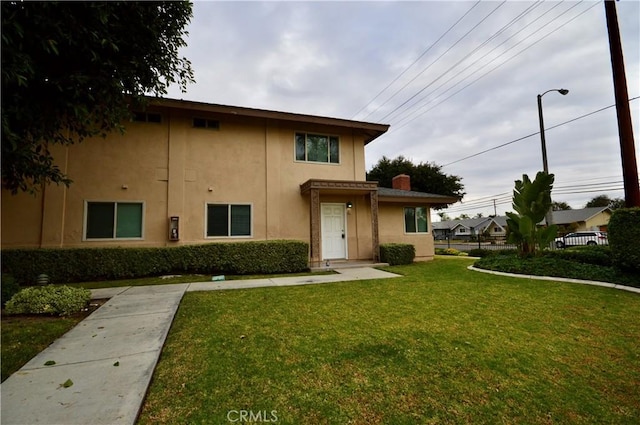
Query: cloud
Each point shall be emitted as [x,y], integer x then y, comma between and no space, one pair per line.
[333,58]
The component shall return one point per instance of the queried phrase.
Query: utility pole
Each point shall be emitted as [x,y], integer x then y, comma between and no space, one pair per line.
[625,129]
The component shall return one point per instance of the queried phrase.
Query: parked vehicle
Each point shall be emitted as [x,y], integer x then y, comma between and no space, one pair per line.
[582,238]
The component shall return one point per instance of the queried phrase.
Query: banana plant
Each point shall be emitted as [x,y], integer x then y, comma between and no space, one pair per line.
[531,201]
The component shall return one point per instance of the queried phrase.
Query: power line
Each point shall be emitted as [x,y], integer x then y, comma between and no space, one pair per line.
[413,63]
[493,69]
[532,134]
[415,111]
[439,57]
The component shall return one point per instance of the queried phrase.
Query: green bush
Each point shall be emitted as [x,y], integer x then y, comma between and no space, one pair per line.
[479,252]
[91,264]
[598,254]
[397,253]
[624,238]
[9,288]
[554,265]
[60,300]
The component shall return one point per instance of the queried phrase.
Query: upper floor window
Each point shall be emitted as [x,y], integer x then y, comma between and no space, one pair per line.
[113,220]
[206,123]
[317,148]
[147,117]
[415,220]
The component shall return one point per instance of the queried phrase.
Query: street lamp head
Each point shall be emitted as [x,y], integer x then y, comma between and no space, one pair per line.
[563,91]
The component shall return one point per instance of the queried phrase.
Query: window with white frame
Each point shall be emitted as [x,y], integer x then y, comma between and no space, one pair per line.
[415,220]
[317,148]
[228,220]
[113,220]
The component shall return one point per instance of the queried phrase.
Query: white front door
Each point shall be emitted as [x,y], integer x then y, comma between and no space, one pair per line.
[334,237]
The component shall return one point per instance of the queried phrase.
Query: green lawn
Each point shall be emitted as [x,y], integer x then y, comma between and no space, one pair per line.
[440,345]
[25,336]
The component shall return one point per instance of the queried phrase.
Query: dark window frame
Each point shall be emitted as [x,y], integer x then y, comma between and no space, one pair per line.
[226,230]
[302,141]
[411,228]
[94,226]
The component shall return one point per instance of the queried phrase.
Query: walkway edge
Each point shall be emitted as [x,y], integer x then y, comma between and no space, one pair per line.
[558,279]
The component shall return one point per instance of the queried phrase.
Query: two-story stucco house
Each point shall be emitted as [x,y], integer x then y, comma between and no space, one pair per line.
[188,172]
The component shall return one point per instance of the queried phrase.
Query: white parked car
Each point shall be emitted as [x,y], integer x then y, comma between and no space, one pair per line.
[582,238]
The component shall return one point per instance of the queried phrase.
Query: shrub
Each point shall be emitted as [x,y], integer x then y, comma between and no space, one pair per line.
[624,238]
[90,264]
[599,254]
[397,253]
[60,300]
[9,288]
[479,252]
[451,251]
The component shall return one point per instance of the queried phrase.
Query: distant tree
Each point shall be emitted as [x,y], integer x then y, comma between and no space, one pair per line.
[479,215]
[462,217]
[605,201]
[70,71]
[531,200]
[560,206]
[425,177]
[617,203]
[443,216]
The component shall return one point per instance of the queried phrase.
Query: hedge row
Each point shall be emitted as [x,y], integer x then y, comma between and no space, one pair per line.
[397,253]
[624,238]
[89,264]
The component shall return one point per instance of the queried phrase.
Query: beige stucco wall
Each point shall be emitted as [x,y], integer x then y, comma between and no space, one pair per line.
[391,229]
[176,170]
[598,222]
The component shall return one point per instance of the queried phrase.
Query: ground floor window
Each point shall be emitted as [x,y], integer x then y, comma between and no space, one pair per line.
[113,220]
[227,220]
[415,220]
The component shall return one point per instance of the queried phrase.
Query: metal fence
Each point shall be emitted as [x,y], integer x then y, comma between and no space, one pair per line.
[489,243]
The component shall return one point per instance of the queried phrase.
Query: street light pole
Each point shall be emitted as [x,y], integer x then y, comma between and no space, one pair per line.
[545,165]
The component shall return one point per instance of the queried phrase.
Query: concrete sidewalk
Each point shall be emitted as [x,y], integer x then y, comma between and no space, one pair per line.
[110,356]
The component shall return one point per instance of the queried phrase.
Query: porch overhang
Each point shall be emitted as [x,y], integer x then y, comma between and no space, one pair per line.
[339,187]
[315,187]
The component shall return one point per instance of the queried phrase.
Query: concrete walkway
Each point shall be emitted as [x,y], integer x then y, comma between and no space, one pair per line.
[108,359]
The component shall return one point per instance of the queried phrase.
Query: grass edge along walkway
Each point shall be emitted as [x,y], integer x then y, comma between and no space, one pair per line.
[439,345]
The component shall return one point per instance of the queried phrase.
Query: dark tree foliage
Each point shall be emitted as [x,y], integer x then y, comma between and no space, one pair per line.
[560,206]
[605,201]
[70,70]
[425,177]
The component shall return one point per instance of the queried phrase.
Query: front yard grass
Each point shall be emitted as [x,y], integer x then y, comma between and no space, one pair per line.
[439,345]
[24,336]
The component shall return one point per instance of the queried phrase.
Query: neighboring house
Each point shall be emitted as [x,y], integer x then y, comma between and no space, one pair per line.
[496,227]
[464,229]
[595,218]
[189,172]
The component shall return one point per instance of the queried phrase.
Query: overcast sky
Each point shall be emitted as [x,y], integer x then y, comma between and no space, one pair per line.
[452,78]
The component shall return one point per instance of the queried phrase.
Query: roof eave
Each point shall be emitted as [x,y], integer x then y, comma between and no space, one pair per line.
[371,131]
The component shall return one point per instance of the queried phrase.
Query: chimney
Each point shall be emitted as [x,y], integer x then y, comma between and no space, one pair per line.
[402,182]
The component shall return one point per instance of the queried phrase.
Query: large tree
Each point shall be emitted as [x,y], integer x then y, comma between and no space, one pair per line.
[425,177]
[71,70]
